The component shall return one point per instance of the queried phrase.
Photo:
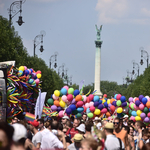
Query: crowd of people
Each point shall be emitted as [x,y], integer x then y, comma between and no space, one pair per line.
[74,134]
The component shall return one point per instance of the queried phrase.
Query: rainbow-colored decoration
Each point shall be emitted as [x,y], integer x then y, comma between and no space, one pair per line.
[29,116]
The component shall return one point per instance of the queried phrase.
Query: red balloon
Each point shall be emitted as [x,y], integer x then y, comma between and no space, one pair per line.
[112,108]
[87,100]
[118,96]
[92,108]
[105,95]
[79,104]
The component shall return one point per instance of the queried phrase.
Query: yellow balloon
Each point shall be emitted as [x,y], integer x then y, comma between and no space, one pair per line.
[138,112]
[104,101]
[97,112]
[56,93]
[39,75]
[21,68]
[119,110]
[137,118]
[108,101]
[62,103]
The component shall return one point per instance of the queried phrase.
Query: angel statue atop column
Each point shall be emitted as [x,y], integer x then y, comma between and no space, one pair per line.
[98,32]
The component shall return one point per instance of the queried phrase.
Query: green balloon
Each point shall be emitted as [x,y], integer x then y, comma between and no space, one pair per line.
[146,110]
[79,115]
[74,112]
[132,106]
[90,115]
[50,101]
[60,94]
[127,104]
[118,103]
[130,111]
[70,91]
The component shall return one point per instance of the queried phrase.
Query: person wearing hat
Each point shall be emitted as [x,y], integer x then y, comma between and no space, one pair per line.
[37,137]
[77,142]
[125,120]
[64,120]
[97,122]
[112,142]
[81,129]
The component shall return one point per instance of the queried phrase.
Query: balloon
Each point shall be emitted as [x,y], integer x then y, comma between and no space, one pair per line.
[62,103]
[118,96]
[97,112]
[138,112]
[148,104]
[92,108]
[72,107]
[59,108]
[111,100]
[100,101]
[84,98]
[148,115]
[109,105]
[61,114]
[56,103]
[50,101]
[39,76]
[21,68]
[68,111]
[125,110]
[88,110]
[114,103]
[55,97]
[78,98]
[96,104]
[20,73]
[104,110]
[30,81]
[105,104]
[134,113]
[90,115]
[91,104]
[70,91]
[124,104]
[105,95]
[143,115]
[108,114]
[119,110]
[63,91]
[144,100]
[66,87]
[137,118]
[69,97]
[112,108]
[76,92]
[79,104]
[100,106]
[91,97]
[25,68]
[118,103]
[80,109]
[74,112]
[96,98]
[87,105]
[53,107]
[38,72]
[137,103]
[78,115]
[73,101]
[123,99]
[56,93]
[146,119]
[64,98]
[37,81]
[132,106]
[131,99]
[108,101]
[141,97]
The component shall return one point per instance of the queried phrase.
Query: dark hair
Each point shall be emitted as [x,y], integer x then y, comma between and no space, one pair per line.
[145,132]
[54,125]
[88,127]
[41,121]
[127,129]
[47,124]
[118,119]
[68,123]
[140,124]
[130,122]
[60,126]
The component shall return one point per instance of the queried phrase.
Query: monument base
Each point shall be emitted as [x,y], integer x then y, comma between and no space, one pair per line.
[98,93]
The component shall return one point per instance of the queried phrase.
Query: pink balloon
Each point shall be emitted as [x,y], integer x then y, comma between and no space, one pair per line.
[132,118]
[84,98]
[61,113]
[37,81]
[87,105]
[69,97]
[64,98]
[104,110]
[91,104]
[79,104]
[66,87]
[118,96]
[141,106]
[25,68]
[91,96]
[148,115]
[136,108]
[55,97]
[92,108]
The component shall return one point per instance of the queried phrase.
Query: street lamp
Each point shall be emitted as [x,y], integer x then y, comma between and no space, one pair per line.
[129,79]
[52,59]
[36,43]
[12,11]
[61,68]
[135,66]
[145,57]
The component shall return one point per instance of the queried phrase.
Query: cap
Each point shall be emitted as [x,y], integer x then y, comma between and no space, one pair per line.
[65,117]
[19,132]
[34,123]
[125,116]
[78,137]
[96,118]
[109,125]
[81,128]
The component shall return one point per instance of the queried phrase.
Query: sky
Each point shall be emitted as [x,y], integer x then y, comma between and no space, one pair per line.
[70,31]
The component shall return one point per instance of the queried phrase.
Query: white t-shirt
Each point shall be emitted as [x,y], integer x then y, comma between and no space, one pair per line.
[37,138]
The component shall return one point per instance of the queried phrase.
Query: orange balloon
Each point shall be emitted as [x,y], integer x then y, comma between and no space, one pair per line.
[111,101]
[148,104]
[108,114]
[78,98]
[56,103]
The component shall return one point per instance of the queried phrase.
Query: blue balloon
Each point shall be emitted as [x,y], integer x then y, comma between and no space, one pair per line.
[100,101]
[31,81]
[63,91]
[141,97]
[68,111]
[123,99]
[96,98]
[76,92]
[114,103]
[133,113]
[137,103]
[80,109]
[115,96]
[72,107]
[144,100]
[100,106]
[96,104]
[124,104]
[105,104]
[88,110]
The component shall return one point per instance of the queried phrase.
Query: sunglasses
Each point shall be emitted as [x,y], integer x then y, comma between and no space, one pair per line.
[115,122]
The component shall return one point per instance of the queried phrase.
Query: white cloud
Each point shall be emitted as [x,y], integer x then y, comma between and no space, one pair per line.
[111,11]
[145,12]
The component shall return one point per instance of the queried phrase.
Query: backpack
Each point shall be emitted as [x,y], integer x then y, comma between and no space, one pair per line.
[120,142]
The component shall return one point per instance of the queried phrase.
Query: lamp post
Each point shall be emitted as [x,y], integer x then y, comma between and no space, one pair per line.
[135,66]
[145,57]
[128,78]
[61,68]
[12,11]
[52,59]
[36,43]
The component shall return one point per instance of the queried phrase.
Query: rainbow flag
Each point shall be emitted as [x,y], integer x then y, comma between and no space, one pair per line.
[29,116]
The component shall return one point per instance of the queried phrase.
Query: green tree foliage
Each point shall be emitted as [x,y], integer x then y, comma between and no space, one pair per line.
[11,47]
